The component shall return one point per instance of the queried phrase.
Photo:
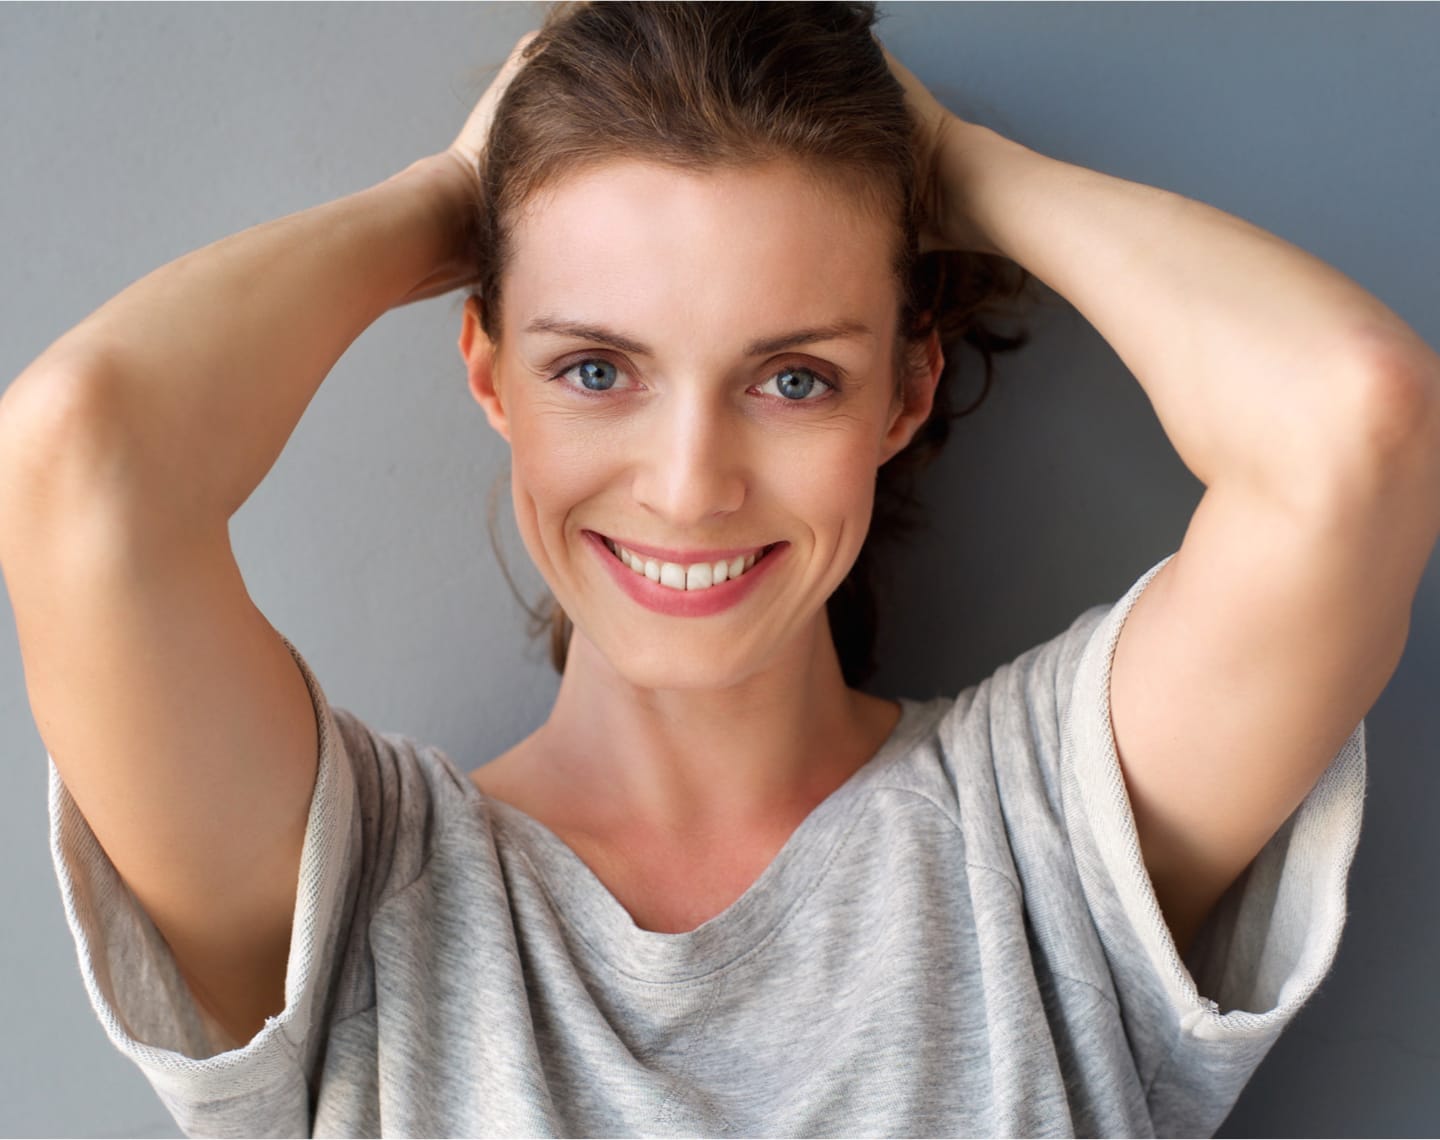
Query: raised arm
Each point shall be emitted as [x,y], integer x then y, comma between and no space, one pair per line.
[1310,411]
[200,371]
[177,719]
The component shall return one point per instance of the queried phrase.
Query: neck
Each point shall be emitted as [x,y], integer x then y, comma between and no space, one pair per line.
[692,762]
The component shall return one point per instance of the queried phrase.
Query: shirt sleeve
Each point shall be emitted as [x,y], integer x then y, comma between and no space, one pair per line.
[214,1086]
[1200,1026]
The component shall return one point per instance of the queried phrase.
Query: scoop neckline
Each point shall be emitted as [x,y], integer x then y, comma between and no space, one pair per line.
[605,931]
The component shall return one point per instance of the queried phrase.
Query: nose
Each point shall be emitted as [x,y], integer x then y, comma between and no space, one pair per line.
[691,472]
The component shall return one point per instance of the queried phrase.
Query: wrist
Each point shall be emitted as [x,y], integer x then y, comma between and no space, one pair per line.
[449,194]
[972,163]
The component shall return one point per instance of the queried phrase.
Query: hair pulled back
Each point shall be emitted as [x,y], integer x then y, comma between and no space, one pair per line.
[708,86]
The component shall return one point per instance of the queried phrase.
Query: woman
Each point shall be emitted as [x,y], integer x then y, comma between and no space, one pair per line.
[720,890]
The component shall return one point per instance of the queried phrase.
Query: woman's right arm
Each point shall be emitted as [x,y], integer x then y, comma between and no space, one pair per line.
[175,715]
[179,394]
[177,719]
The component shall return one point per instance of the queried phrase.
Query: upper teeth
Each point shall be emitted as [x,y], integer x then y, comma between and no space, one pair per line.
[698,576]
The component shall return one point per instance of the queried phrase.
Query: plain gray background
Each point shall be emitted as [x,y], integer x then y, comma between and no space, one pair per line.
[135,133]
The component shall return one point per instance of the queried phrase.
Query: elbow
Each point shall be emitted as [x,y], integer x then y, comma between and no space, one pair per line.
[50,421]
[1395,409]
[1384,461]
[1381,444]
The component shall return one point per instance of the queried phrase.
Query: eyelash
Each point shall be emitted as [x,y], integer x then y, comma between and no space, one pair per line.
[823,376]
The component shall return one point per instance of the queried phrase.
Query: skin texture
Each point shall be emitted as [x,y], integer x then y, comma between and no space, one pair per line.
[739,723]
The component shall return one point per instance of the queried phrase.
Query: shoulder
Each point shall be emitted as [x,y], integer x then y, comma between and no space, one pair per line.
[409,796]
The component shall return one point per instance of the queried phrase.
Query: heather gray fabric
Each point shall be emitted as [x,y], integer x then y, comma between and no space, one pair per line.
[961,940]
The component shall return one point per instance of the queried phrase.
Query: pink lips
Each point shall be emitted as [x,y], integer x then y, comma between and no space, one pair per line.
[685,603]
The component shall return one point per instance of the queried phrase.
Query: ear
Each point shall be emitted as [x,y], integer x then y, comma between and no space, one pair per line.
[478,352]
[916,397]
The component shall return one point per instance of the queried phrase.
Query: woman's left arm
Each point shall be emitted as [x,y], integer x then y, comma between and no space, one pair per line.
[1311,413]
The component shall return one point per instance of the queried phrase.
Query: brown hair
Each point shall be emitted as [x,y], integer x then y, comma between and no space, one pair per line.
[706,86]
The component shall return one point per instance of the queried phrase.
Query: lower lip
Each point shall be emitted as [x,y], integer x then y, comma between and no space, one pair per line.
[684,603]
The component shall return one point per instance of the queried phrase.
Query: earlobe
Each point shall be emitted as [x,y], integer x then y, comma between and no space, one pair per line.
[916,401]
[478,352]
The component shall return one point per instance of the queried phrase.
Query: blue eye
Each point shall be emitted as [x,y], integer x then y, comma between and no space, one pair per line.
[797,385]
[596,375]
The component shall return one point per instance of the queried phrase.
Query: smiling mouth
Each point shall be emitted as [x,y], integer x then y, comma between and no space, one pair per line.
[688,577]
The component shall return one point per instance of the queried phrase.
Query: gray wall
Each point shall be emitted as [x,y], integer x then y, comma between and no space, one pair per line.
[136,133]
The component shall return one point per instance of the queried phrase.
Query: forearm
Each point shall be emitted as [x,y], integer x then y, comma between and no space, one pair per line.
[200,370]
[1252,352]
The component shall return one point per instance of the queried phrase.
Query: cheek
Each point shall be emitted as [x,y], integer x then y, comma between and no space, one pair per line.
[818,477]
[557,461]
[828,484]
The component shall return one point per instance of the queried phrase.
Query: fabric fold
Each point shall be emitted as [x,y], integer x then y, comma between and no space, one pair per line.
[962,940]
[1269,942]
[145,1006]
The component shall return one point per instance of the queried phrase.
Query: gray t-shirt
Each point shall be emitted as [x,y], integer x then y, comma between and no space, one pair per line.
[960,940]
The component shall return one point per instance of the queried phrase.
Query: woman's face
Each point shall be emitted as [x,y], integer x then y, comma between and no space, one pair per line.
[696,378]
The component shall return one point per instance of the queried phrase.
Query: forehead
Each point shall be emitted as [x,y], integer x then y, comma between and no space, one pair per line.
[652,244]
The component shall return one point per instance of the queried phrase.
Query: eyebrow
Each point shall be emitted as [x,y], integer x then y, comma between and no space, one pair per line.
[837,330]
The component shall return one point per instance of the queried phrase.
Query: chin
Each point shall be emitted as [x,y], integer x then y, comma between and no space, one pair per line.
[669,663]
[648,656]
